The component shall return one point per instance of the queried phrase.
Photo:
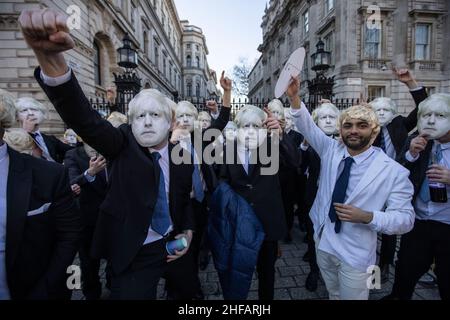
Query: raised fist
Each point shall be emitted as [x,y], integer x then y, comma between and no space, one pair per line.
[46,31]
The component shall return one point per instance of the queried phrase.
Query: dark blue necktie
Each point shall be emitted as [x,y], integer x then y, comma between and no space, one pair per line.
[340,190]
[160,219]
[197,183]
[382,141]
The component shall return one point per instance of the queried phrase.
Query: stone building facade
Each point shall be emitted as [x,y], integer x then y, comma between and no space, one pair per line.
[153,26]
[366,39]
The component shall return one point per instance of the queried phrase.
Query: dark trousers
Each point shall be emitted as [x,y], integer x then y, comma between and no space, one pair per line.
[266,270]
[311,245]
[429,241]
[181,278]
[288,203]
[92,287]
[199,241]
[387,250]
[140,280]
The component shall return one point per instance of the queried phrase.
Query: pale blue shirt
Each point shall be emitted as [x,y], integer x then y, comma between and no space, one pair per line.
[4,166]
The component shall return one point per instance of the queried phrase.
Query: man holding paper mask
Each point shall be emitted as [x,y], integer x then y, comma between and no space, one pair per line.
[345,214]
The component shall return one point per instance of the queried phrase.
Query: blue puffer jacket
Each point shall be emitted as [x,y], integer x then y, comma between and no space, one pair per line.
[235,235]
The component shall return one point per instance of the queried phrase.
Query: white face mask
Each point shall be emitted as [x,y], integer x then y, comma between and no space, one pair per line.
[289,122]
[385,114]
[434,123]
[327,121]
[31,114]
[251,134]
[186,117]
[206,123]
[149,125]
[71,139]
[230,134]
[278,113]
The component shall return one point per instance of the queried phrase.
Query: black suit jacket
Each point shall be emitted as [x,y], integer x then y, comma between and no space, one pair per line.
[400,126]
[418,168]
[262,192]
[56,148]
[127,211]
[39,248]
[208,171]
[311,162]
[296,138]
[92,194]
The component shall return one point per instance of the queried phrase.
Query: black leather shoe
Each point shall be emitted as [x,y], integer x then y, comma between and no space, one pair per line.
[311,281]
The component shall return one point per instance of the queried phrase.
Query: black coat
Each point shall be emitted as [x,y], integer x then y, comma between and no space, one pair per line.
[418,168]
[127,211]
[262,192]
[311,162]
[400,126]
[40,247]
[92,194]
[56,148]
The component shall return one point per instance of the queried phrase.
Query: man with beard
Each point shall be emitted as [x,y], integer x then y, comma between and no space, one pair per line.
[427,156]
[361,192]
[148,202]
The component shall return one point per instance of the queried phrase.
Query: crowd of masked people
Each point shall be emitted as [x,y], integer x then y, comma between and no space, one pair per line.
[114,189]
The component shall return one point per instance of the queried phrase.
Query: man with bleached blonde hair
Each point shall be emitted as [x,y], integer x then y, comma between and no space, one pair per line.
[20,140]
[345,214]
[205,119]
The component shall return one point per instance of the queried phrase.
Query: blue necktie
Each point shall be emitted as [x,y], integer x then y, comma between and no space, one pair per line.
[197,183]
[340,190]
[247,161]
[424,192]
[160,220]
[382,141]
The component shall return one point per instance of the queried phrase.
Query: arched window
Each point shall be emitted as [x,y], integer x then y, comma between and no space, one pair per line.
[197,89]
[198,61]
[189,61]
[97,65]
[189,89]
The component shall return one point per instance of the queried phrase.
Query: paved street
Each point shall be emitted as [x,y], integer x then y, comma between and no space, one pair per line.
[289,279]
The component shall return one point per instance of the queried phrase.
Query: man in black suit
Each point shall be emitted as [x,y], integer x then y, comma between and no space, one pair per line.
[260,187]
[392,137]
[204,178]
[287,174]
[148,201]
[39,222]
[32,113]
[427,156]
[87,170]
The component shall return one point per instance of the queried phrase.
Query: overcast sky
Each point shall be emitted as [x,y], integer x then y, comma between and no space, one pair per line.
[232,28]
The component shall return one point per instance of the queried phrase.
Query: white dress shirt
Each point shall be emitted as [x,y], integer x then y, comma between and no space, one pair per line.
[377,184]
[431,210]
[4,167]
[164,163]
